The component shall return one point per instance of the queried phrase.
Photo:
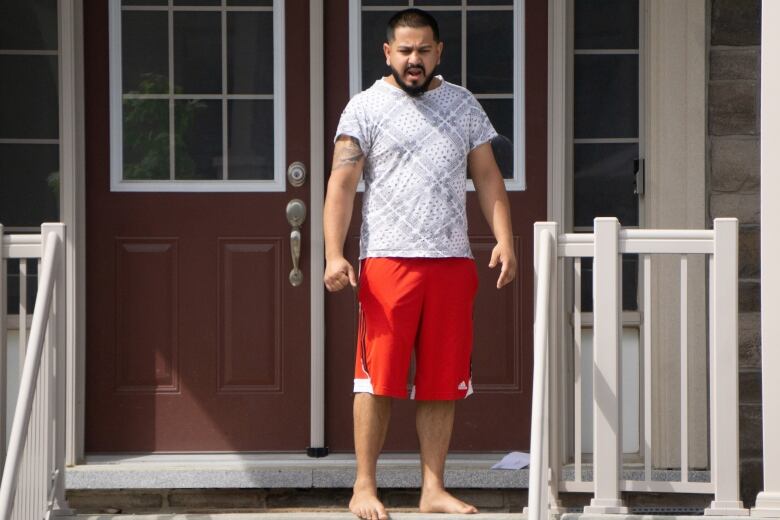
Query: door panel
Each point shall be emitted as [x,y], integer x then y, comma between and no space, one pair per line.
[503,328]
[196,340]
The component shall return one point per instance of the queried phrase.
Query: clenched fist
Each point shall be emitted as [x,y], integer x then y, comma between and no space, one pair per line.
[338,274]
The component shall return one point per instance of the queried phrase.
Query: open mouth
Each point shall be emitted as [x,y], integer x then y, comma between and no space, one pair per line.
[414,73]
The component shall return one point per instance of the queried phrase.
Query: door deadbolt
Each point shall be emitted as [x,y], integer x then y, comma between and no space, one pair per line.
[296,174]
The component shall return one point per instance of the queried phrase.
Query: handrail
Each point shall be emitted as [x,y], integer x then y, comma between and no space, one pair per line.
[537,485]
[29,378]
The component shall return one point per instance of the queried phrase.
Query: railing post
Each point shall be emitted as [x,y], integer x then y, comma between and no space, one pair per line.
[539,507]
[607,438]
[57,337]
[724,364]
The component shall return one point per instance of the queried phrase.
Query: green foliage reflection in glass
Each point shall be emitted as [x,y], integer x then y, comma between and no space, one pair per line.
[146,132]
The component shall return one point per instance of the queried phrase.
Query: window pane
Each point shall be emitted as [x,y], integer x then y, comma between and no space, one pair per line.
[500,113]
[197,52]
[423,3]
[251,139]
[145,139]
[450,33]
[144,2]
[198,139]
[604,183]
[267,3]
[13,285]
[504,152]
[250,53]
[145,52]
[196,2]
[490,52]
[606,24]
[606,96]
[630,281]
[29,184]
[373,34]
[490,2]
[400,3]
[29,103]
[28,25]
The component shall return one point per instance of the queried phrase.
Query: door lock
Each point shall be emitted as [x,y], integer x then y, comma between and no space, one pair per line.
[296,215]
[296,174]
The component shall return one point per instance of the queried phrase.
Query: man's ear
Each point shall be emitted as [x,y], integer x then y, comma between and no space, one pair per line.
[440,47]
[386,49]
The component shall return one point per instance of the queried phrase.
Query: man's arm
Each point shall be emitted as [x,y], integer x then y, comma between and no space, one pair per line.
[345,173]
[494,203]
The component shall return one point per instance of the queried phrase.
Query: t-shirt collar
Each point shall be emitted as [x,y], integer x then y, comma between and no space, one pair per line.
[401,91]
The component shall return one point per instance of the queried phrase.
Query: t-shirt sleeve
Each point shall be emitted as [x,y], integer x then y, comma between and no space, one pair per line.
[480,128]
[353,124]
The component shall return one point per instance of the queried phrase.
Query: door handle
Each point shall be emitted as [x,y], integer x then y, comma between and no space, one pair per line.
[296,215]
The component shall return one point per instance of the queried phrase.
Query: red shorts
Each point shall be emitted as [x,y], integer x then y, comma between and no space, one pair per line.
[420,304]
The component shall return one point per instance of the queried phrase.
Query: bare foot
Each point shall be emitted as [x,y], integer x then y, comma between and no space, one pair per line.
[365,504]
[439,501]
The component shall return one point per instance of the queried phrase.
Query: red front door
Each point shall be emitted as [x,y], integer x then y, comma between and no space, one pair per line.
[196,339]
[498,416]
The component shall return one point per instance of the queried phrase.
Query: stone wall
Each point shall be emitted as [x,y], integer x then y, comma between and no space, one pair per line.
[734,191]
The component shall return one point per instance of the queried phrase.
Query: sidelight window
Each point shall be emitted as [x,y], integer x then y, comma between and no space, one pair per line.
[197,95]
[29,115]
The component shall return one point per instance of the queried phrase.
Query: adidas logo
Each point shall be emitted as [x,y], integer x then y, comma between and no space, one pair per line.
[462,386]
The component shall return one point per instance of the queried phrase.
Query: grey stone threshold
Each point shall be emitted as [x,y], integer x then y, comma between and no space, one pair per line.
[278,471]
[241,471]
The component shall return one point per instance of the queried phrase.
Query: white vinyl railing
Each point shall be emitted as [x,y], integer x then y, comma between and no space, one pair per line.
[605,246]
[33,481]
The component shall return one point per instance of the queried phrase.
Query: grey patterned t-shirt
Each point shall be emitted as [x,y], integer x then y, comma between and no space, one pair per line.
[416,151]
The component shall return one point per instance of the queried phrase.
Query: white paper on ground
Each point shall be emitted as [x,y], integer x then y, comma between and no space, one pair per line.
[513,460]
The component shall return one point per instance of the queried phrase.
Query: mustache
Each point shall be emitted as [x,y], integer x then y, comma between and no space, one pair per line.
[421,68]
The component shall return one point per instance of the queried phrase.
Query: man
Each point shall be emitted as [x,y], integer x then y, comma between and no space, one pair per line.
[413,136]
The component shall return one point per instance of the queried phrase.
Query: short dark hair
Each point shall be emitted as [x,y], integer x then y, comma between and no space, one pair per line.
[412,18]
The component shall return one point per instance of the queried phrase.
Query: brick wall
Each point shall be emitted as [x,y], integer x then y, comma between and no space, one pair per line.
[734,191]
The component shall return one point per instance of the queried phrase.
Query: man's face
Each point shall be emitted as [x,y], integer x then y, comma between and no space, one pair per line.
[413,56]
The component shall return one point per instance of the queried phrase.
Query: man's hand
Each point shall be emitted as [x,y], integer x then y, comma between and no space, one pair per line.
[505,254]
[339,274]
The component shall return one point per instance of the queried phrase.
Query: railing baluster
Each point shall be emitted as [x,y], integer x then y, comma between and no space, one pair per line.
[578,369]
[684,368]
[22,311]
[647,332]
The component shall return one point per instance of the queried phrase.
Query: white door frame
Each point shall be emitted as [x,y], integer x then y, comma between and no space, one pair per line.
[72,213]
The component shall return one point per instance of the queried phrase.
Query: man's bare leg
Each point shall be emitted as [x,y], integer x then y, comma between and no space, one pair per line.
[371,415]
[434,429]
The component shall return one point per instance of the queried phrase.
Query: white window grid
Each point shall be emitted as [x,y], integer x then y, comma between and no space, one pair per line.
[118,183]
[28,52]
[517,183]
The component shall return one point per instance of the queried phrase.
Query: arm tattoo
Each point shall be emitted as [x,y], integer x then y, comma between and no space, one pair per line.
[348,153]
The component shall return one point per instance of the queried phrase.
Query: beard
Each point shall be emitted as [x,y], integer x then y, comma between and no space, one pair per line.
[414,90]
